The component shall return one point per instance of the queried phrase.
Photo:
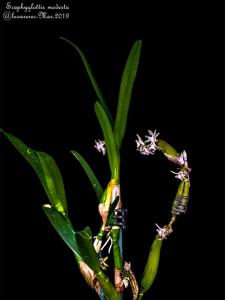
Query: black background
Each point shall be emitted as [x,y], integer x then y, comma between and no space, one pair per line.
[47,101]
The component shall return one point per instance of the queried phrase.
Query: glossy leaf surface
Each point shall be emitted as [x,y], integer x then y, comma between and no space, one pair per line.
[53,182]
[47,171]
[64,229]
[87,250]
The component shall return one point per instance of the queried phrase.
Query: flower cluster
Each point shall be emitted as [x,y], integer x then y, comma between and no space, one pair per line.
[100,146]
[149,145]
[183,173]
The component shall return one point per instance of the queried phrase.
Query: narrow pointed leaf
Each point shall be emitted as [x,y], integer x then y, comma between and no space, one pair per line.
[64,229]
[126,86]
[47,171]
[87,250]
[26,152]
[90,174]
[91,76]
[151,267]
[109,139]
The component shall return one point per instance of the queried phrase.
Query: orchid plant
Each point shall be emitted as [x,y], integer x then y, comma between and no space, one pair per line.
[88,249]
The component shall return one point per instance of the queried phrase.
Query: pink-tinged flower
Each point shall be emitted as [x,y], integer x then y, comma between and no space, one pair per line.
[148,146]
[182,159]
[181,175]
[100,146]
[163,232]
[152,137]
[141,147]
[139,142]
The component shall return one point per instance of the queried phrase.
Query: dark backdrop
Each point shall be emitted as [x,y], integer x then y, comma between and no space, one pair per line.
[47,101]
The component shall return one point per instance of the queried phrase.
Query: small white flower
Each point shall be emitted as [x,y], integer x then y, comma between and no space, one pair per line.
[182,159]
[181,175]
[139,142]
[100,146]
[141,147]
[145,150]
[152,147]
[152,137]
[163,232]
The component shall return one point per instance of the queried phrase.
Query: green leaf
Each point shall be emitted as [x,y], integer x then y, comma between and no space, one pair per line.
[81,244]
[87,250]
[104,196]
[53,182]
[47,171]
[64,229]
[125,92]
[91,76]
[26,152]
[151,267]
[90,174]
[111,149]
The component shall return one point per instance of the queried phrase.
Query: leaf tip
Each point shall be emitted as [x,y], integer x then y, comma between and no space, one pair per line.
[73,152]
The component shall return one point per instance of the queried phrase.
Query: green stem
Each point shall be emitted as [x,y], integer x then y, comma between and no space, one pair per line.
[118,262]
[121,243]
[116,232]
[102,297]
[140,296]
[107,287]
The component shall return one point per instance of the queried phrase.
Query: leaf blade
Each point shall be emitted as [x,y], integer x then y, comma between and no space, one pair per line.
[92,78]
[126,86]
[33,158]
[63,228]
[25,151]
[87,250]
[90,174]
[53,182]
[90,257]
[111,148]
